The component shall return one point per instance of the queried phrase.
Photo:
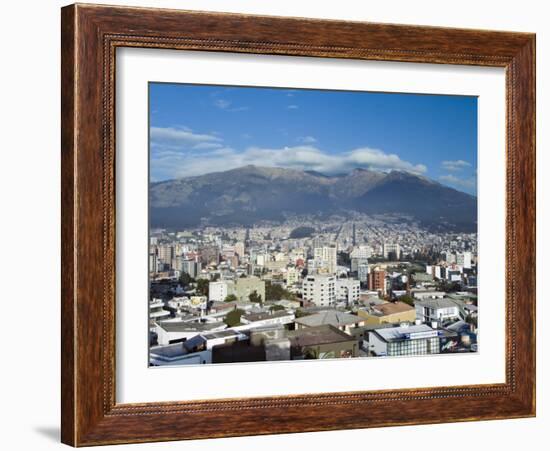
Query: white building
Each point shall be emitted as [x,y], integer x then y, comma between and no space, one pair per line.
[328,255]
[388,248]
[464,259]
[176,331]
[405,340]
[319,289]
[239,249]
[348,290]
[450,258]
[218,291]
[292,276]
[156,310]
[254,320]
[361,252]
[436,310]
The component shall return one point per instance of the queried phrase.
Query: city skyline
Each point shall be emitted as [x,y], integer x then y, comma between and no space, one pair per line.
[330,132]
[289,225]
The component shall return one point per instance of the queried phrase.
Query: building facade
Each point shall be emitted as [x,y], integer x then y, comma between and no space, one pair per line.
[319,289]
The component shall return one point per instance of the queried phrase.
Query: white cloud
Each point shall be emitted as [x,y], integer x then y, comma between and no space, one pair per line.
[456,165]
[207,145]
[180,137]
[307,139]
[292,107]
[457,182]
[222,104]
[170,163]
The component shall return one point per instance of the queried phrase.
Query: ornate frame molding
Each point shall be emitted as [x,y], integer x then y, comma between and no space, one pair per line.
[91,35]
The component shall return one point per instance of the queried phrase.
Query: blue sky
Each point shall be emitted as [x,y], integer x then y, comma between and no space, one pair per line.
[197,129]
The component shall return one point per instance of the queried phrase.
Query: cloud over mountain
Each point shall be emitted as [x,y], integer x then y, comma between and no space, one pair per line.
[182,153]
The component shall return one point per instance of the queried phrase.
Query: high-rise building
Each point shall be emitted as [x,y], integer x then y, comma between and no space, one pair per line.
[239,249]
[166,254]
[464,259]
[218,291]
[192,267]
[318,242]
[153,263]
[377,280]
[348,290]
[329,255]
[292,276]
[319,289]
[450,258]
[210,255]
[391,249]
[363,272]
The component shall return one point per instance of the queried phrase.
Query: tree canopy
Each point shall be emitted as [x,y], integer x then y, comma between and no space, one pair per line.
[255,297]
[202,286]
[233,318]
[230,298]
[275,292]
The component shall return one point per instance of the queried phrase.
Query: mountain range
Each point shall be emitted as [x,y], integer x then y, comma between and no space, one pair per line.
[250,194]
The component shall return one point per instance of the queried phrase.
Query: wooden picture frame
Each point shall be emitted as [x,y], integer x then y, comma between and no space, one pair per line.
[90,36]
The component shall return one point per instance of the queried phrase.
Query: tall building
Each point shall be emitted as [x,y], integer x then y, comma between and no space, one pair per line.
[192,267]
[153,263]
[210,254]
[319,289]
[363,272]
[166,254]
[348,290]
[327,254]
[218,291]
[390,249]
[450,258]
[239,249]
[377,280]
[318,242]
[464,259]
[292,276]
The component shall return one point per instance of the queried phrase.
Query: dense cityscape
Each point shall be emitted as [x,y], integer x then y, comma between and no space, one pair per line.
[311,288]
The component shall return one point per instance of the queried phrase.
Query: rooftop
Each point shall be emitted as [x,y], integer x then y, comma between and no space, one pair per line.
[436,303]
[317,336]
[391,308]
[332,317]
[265,315]
[406,332]
[185,326]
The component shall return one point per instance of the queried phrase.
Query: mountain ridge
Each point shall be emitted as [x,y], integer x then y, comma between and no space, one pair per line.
[252,193]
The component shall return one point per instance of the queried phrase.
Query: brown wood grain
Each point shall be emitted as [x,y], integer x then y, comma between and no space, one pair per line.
[90,36]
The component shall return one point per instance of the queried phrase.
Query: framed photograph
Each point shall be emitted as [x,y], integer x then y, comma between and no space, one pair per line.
[278,225]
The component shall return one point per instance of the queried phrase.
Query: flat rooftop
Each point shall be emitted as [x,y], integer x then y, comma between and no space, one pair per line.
[436,303]
[185,326]
[317,336]
[332,317]
[406,332]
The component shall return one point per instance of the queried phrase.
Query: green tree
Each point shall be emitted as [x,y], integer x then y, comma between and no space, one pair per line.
[407,299]
[185,279]
[230,298]
[275,292]
[202,287]
[255,297]
[276,308]
[233,318]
